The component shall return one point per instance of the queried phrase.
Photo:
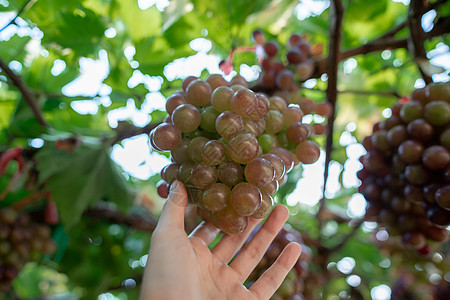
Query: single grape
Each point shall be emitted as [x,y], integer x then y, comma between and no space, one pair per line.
[229,124]
[180,154]
[221,98]
[230,173]
[195,147]
[244,102]
[297,132]
[285,156]
[397,135]
[208,121]
[245,199]
[414,194]
[380,140]
[266,206]
[307,106]
[266,142]
[277,164]
[198,93]
[174,101]
[291,115]
[442,196]
[438,216]
[262,106]
[307,152]
[416,174]
[163,189]
[437,234]
[229,221]
[278,103]
[274,122]
[271,188]
[410,151]
[305,69]
[216,197]
[215,81]
[436,157]
[213,152]
[323,109]
[267,79]
[166,136]
[239,80]
[170,172]
[414,239]
[438,91]
[295,56]
[259,172]
[437,113]
[187,81]
[294,39]
[411,111]
[186,117]
[285,79]
[444,138]
[258,37]
[243,147]
[184,172]
[271,49]
[203,175]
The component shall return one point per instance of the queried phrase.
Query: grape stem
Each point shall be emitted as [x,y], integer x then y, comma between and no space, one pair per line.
[29,97]
[133,220]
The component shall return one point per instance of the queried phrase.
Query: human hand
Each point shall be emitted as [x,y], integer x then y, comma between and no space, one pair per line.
[183,267]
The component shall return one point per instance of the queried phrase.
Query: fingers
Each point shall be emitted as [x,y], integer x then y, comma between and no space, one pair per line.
[205,231]
[230,244]
[174,207]
[251,254]
[271,279]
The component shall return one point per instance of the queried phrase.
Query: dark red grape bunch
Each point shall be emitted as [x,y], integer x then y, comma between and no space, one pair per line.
[231,147]
[406,171]
[293,285]
[21,241]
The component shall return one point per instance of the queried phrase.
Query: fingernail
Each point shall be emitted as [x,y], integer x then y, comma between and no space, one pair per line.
[174,186]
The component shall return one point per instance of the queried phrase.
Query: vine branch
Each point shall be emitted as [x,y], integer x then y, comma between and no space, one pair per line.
[336,15]
[27,94]
[24,7]
[383,43]
[417,36]
[133,220]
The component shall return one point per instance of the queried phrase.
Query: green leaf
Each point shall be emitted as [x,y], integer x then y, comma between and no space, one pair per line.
[141,24]
[14,48]
[79,179]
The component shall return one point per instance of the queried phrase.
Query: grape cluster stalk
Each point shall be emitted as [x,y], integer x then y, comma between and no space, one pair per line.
[293,286]
[406,171]
[21,241]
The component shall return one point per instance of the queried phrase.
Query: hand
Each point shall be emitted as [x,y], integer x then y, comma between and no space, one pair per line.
[183,267]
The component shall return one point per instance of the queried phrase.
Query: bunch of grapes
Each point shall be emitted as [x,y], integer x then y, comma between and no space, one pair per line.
[406,171]
[231,147]
[281,76]
[293,285]
[21,240]
[298,62]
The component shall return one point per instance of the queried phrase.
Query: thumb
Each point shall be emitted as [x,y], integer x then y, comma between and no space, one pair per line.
[175,206]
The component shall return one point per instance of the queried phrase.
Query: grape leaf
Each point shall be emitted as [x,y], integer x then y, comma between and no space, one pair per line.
[79,179]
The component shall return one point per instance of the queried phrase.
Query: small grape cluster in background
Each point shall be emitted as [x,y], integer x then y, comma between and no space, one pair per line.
[21,241]
[293,286]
